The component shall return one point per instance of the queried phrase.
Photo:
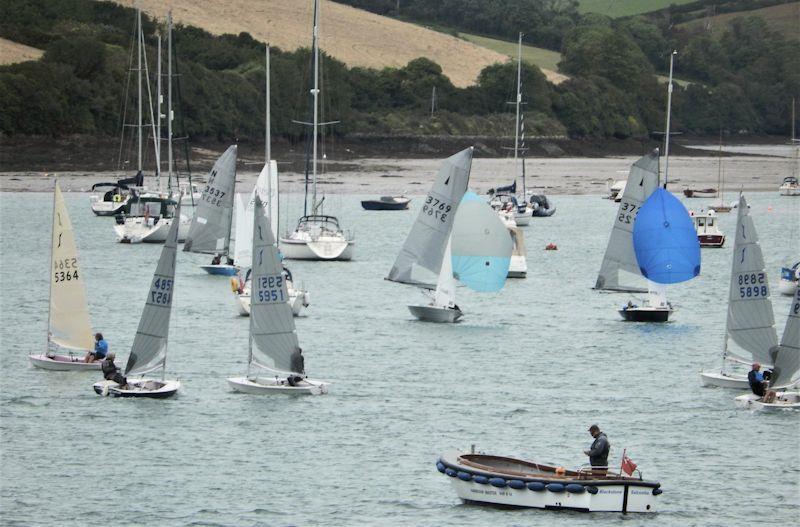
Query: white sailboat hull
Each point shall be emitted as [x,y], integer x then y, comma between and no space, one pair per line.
[298,299]
[107,208]
[139,230]
[523,219]
[138,388]
[436,313]
[783,401]
[724,379]
[324,248]
[63,362]
[518,267]
[787,287]
[277,386]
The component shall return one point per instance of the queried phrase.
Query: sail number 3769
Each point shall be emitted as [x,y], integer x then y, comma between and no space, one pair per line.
[436,208]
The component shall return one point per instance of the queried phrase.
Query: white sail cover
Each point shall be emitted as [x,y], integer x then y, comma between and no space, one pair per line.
[272,330]
[786,358]
[69,313]
[149,350]
[445,295]
[428,237]
[210,231]
[751,323]
[642,181]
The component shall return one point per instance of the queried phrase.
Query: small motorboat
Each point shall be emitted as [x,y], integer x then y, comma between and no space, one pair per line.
[505,481]
[790,277]
[542,206]
[789,187]
[386,203]
[615,189]
[700,193]
[646,313]
[108,199]
[142,388]
[708,234]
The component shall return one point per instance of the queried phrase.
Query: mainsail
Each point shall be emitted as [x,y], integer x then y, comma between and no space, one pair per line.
[445,295]
[428,237]
[272,332]
[69,313]
[244,233]
[210,231]
[750,322]
[786,357]
[149,351]
[481,246]
[642,181]
[267,189]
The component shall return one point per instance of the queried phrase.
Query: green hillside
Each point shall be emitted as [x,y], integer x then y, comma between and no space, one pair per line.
[618,8]
[544,58]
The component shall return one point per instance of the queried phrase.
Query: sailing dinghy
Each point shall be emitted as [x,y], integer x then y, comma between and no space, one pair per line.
[210,232]
[69,327]
[273,338]
[149,350]
[786,360]
[750,322]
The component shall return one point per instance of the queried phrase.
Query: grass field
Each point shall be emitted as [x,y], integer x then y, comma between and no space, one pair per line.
[356,37]
[784,18]
[619,8]
[546,59]
[12,52]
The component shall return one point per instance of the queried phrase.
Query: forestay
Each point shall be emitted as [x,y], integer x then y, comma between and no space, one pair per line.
[642,181]
[272,332]
[750,323]
[481,246]
[210,231]
[786,358]
[69,313]
[665,240]
[428,237]
[149,351]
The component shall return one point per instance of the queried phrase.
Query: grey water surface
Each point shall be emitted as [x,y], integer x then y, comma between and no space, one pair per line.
[525,374]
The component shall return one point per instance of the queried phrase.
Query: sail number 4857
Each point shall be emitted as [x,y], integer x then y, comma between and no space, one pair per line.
[161,292]
[436,208]
[270,289]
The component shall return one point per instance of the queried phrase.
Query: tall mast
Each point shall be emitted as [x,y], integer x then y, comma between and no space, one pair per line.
[519,101]
[169,100]
[159,98]
[268,141]
[139,83]
[669,110]
[315,95]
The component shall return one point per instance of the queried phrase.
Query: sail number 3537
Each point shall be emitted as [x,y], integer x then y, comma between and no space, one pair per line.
[65,269]
[436,208]
[161,292]
[752,285]
[270,289]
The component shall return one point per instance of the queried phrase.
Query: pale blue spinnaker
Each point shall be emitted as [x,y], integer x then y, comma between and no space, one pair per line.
[481,246]
[665,241]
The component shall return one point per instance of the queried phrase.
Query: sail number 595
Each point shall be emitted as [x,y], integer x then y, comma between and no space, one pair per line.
[436,208]
[270,289]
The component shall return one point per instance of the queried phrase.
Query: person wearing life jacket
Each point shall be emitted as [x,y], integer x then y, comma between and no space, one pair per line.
[100,349]
[598,452]
[297,365]
[111,371]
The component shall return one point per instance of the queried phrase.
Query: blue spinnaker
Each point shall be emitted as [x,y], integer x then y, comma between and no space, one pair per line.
[665,241]
[481,246]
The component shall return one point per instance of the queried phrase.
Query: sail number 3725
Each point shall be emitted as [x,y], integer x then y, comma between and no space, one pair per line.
[627,212]
[270,289]
[436,208]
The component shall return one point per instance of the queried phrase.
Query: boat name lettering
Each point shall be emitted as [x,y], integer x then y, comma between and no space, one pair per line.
[436,207]
[610,491]
[270,288]
[641,492]
[491,492]
[628,212]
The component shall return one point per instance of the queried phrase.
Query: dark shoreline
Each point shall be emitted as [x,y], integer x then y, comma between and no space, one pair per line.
[88,153]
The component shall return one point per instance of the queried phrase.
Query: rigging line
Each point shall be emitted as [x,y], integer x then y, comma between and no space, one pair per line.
[124,104]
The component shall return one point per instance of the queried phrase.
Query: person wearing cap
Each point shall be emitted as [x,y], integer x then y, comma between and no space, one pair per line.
[100,349]
[111,372]
[598,452]
[756,380]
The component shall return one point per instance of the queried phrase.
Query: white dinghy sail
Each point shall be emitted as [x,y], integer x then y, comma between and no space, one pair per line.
[210,231]
[619,255]
[273,338]
[69,326]
[786,357]
[750,322]
[149,350]
[426,242]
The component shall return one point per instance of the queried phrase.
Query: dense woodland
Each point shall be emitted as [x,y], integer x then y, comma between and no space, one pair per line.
[742,81]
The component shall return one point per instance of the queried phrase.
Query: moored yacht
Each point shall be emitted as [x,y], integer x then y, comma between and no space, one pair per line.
[789,187]
[708,233]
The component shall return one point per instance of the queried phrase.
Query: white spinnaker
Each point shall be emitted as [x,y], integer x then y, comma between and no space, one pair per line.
[273,338]
[750,322]
[619,255]
[426,242]
[445,294]
[69,326]
[210,231]
[149,350]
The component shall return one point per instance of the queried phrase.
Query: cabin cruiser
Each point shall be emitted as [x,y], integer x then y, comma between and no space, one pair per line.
[510,210]
[108,199]
[386,203]
[318,237]
[708,234]
[700,193]
[147,220]
[789,187]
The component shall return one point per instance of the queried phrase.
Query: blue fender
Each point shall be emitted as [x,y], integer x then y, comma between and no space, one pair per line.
[516,484]
[536,486]
[464,476]
[440,466]
[497,482]
[483,480]
[591,489]
[575,488]
[555,487]
[450,472]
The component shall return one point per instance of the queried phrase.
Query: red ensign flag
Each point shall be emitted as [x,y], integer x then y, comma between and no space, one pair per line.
[628,466]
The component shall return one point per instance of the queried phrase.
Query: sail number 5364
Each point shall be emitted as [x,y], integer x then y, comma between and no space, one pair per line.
[270,289]
[436,208]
